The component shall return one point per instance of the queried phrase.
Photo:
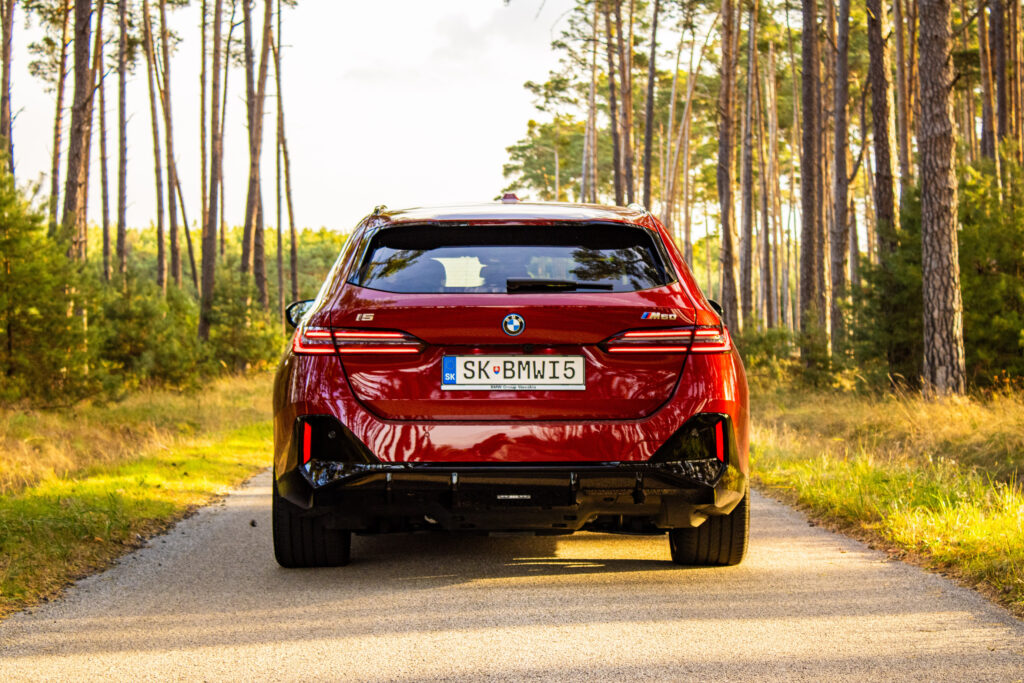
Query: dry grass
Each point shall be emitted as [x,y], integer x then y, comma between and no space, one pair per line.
[64,528]
[938,480]
[38,446]
[985,433]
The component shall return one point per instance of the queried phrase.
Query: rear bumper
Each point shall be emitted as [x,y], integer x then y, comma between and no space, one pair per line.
[546,498]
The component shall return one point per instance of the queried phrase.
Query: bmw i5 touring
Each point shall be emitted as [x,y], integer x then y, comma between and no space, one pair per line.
[544,368]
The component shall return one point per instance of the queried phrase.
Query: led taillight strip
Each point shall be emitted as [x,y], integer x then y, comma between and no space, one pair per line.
[349,350]
[323,341]
[312,342]
[648,349]
[658,334]
[711,340]
[696,340]
[358,335]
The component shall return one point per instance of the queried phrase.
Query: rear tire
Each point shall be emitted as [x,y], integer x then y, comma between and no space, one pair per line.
[719,542]
[301,540]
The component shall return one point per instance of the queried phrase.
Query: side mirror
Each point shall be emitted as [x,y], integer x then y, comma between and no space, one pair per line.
[294,312]
[718,308]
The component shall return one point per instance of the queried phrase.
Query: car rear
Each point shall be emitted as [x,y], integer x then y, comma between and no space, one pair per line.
[534,369]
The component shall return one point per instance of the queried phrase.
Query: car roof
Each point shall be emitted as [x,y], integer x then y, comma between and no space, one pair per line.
[526,212]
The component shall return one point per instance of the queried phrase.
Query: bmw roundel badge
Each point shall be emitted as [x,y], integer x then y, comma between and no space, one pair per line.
[513,324]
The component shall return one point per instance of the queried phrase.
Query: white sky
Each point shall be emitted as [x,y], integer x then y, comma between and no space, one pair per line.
[397,102]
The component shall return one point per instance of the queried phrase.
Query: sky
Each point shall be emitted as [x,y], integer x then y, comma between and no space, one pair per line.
[396,102]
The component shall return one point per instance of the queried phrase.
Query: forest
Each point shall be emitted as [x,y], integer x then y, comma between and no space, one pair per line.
[97,310]
[848,192]
[844,180]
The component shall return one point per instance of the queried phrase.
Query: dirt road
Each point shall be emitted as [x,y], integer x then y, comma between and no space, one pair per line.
[207,602]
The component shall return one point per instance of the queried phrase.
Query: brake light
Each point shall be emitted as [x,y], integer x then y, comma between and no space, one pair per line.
[670,340]
[311,341]
[711,340]
[376,342]
[323,340]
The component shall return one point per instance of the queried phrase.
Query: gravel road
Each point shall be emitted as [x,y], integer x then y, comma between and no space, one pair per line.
[207,602]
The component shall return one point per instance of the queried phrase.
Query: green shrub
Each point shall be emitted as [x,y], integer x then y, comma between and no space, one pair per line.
[43,309]
[888,328]
[242,336]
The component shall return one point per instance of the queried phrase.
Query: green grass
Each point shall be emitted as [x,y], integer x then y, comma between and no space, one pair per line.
[40,445]
[112,476]
[937,480]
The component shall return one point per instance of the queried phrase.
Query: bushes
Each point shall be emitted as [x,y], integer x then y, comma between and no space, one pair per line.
[888,329]
[65,334]
[43,325]
[241,334]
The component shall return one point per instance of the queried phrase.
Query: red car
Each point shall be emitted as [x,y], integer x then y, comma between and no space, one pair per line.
[544,368]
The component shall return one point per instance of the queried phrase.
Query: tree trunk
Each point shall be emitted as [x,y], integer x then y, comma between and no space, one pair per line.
[839,242]
[747,177]
[886,211]
[104,174]
[826,127]
[730,294]
[1016,85]
[767,295]
[667,173]
[161,254]
[625,47]
[58,125]
[613,111]
[250,108]
[82,210]
[172,171]
[944,371]
[887,214]
[997,44]
[649,106]
[122,140]
[188,233]
[76,136]
[275,45]
[809,171]
[6,37]
[780,275]
[592,147]
[682,146]
[282,143]
[209,220]
[203,162]
[254,200]
[254,207]
[902,98]
[988,104]
[796,144]
[221,223]
[586,180]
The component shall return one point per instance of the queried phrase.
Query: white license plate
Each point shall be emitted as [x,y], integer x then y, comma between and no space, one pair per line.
[513,373]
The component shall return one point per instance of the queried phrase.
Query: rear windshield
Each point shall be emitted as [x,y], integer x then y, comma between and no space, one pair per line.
[483,259]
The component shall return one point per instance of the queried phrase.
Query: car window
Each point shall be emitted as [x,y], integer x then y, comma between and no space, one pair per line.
[482,259]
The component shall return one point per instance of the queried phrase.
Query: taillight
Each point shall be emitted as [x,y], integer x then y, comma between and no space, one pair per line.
[711,340]
[670,340]
[309,341]
[375,342]
[322,340]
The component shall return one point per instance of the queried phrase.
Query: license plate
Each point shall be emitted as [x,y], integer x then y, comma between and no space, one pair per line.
[513,373]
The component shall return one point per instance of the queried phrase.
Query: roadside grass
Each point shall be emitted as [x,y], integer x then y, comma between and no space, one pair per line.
[935,480]
[89,506]
[41,444]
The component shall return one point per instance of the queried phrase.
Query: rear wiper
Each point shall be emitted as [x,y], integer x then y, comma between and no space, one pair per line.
[515,284]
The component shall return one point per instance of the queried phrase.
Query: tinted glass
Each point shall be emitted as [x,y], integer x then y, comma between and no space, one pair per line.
[430,259]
